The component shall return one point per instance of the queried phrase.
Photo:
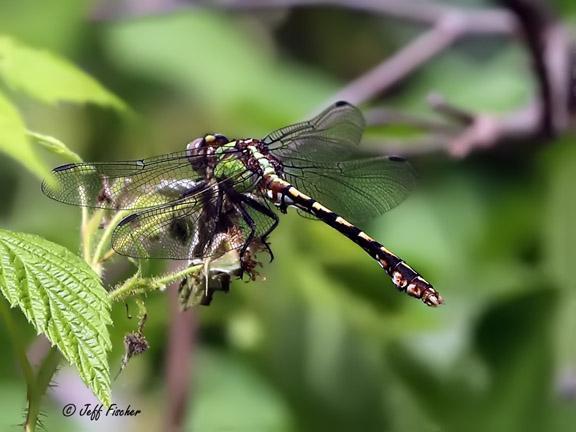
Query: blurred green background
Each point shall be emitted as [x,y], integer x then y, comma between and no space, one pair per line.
[325,343]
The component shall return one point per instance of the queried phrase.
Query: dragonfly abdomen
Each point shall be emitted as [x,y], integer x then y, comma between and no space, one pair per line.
[404,277]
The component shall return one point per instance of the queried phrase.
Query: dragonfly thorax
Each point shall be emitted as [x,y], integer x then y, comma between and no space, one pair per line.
[257,157]
[228,165]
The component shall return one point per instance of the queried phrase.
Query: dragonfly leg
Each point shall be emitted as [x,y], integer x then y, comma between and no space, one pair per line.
[250,222]
[266,211]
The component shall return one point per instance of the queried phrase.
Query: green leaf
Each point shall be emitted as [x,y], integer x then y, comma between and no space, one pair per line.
[63,298]
[13,140]
[49,78]
[55,146]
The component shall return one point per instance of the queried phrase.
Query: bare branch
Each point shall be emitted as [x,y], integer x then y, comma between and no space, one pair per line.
[548,44]
[488,130]
[425,12]
[417,11]
[473,130]
[546,40]
[399,66]
[449,26]
[548,115]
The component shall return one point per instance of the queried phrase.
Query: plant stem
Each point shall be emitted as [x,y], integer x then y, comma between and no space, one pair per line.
[32,394]
[171,277]
[86,237]
[137,285]
[99,252]
[47,369]
[89,227]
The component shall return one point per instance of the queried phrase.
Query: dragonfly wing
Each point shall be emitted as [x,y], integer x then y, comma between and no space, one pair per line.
[321,158]
[203,225]
[358,189]
[182,229]
[126,184]
[333,135]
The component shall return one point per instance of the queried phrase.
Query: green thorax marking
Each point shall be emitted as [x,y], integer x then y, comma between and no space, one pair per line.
[263,162]
[227,165]
[232,164]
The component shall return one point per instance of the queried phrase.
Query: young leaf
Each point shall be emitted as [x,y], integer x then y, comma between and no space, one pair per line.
[54,145]
[13,140]
[49,78]
[63,298]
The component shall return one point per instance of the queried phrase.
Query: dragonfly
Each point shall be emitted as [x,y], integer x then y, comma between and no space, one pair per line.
[223,194]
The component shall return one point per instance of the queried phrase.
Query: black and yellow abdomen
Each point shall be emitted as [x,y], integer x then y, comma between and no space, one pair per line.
[403,276]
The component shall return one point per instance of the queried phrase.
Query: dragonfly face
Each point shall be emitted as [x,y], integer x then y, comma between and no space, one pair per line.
[201,150]
[219,194]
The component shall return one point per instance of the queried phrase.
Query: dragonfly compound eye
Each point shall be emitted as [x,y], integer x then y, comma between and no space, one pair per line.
[196,152]
[194,146]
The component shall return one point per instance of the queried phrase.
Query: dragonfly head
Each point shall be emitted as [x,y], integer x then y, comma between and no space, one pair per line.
[199,145]
[203,147]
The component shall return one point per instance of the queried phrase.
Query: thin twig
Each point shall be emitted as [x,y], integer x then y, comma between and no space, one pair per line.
[417,11]
[399,66]
[425,12]
[546,116]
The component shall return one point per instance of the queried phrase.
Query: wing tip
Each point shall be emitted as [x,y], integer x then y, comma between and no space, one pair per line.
[342,103]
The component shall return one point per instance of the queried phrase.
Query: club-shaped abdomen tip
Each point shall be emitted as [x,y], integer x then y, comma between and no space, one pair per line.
[421,289]
[433,299]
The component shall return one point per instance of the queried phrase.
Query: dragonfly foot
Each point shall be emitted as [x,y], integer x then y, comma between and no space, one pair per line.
[266,244]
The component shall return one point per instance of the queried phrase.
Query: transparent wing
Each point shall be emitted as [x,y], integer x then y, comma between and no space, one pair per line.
[182,229]
[321,158]
[333,135]
[125,184]
[358,190]
[204,225]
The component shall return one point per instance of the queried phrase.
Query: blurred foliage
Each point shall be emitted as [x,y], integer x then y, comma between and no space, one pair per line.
[46,78]
[325,342]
